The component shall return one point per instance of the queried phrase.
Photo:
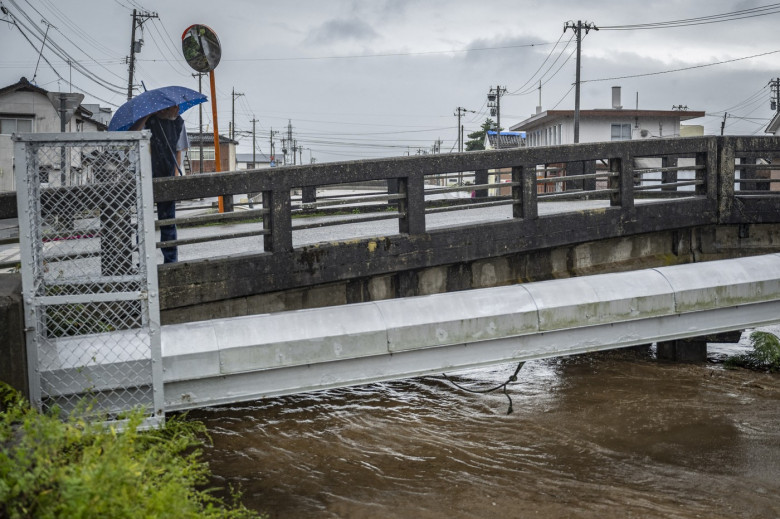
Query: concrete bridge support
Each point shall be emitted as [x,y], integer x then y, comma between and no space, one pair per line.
[13,354]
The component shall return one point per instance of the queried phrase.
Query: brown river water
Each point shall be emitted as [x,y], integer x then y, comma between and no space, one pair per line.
[613,434]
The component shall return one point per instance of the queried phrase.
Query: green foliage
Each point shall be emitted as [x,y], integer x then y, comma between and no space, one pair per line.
[477,139]
[765,354]
[74,468]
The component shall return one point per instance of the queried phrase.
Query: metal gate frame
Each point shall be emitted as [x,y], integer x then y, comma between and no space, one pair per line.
[89,273]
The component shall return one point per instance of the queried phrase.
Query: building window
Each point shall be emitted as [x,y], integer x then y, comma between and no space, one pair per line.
[208,153]
[621,132]
[9,125]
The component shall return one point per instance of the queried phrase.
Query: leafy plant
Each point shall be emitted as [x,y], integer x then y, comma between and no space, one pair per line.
[53,468]
[765,354]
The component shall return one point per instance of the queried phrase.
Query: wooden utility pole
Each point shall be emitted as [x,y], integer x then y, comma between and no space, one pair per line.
[234,95]
[577,28]
[135,46]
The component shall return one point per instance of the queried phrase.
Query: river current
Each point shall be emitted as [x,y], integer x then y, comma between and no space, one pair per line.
[613,434]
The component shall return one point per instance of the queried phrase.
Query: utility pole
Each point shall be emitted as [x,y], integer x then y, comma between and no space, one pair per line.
[459,111]
[135,46]
[494,102]
[200,122]
[234,95]
[577,28]
[723,123]
[254,163]
[290,139]
[775,102]
[272,157]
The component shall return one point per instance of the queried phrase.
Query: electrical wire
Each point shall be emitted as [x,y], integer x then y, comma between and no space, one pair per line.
[49,43]
[701,20]
[681,69]
[512,378]
[546,59]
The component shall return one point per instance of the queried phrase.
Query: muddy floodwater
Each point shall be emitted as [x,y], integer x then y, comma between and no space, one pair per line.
[614,434]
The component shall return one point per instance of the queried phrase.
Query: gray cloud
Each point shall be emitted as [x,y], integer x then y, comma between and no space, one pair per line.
[342,29]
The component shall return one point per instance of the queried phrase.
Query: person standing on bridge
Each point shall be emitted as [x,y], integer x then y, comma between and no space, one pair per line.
[169,140]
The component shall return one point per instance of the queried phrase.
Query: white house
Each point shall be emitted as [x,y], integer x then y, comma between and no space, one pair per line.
[244,161]
[556,127]
[553,127]
[26,108]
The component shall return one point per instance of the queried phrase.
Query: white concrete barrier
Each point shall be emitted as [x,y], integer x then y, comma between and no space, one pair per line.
[245,358]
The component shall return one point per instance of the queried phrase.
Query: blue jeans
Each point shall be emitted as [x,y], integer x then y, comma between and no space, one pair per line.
[166,211]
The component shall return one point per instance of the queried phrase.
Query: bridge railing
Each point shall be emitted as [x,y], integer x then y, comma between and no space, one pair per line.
[675,170]
[728,179]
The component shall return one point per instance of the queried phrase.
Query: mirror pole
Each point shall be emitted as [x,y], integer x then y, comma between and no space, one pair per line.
[217,158]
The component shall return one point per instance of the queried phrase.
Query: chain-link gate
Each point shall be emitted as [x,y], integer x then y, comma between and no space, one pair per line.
[89,275]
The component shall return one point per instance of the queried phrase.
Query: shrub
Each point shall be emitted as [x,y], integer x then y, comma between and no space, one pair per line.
[765,354]
[54,468]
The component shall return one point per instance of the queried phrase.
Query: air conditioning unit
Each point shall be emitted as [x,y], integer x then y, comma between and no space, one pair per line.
[641,133]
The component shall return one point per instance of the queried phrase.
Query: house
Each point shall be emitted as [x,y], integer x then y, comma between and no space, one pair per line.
[556,127]
[553,127]
[227,152]
[507,139]
[26,108]
[244,161]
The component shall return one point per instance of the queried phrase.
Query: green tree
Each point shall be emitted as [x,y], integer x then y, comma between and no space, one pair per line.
[477,139]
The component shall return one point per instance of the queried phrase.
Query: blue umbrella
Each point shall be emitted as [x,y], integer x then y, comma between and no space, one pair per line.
[153,101]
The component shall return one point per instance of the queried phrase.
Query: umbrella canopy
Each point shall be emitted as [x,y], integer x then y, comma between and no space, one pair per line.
[153,101]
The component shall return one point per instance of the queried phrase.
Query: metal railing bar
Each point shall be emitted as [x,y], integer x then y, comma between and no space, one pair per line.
[671,184]
[757,180]
[467,207]
[204,239]
[439,190]
[588,176]
[347,221]
[670,168]
[578,194]
[326,203]
[757,194]
[210,218]
[757,166]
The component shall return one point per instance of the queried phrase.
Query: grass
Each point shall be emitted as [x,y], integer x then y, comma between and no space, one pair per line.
[52,467]
[764,357]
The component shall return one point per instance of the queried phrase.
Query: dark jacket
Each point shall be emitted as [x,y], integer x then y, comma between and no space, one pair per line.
[165,135]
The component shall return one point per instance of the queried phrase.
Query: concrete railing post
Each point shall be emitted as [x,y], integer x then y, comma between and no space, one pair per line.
[278,221]
[412,205]
[724,177]
[481,177]
[621,178]
[524,192]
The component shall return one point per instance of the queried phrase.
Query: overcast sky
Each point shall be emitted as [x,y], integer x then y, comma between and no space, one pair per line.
[374,78]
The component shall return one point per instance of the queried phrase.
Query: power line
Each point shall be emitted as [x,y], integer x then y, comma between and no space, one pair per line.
[49,43]
[387,55]
[701,20]
[683,68]
[543,62]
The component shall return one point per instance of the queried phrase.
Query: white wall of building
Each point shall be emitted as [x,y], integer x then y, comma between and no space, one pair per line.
[599,129]
[45,120]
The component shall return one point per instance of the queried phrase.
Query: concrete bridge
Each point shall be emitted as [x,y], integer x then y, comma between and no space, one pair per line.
[655,203]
